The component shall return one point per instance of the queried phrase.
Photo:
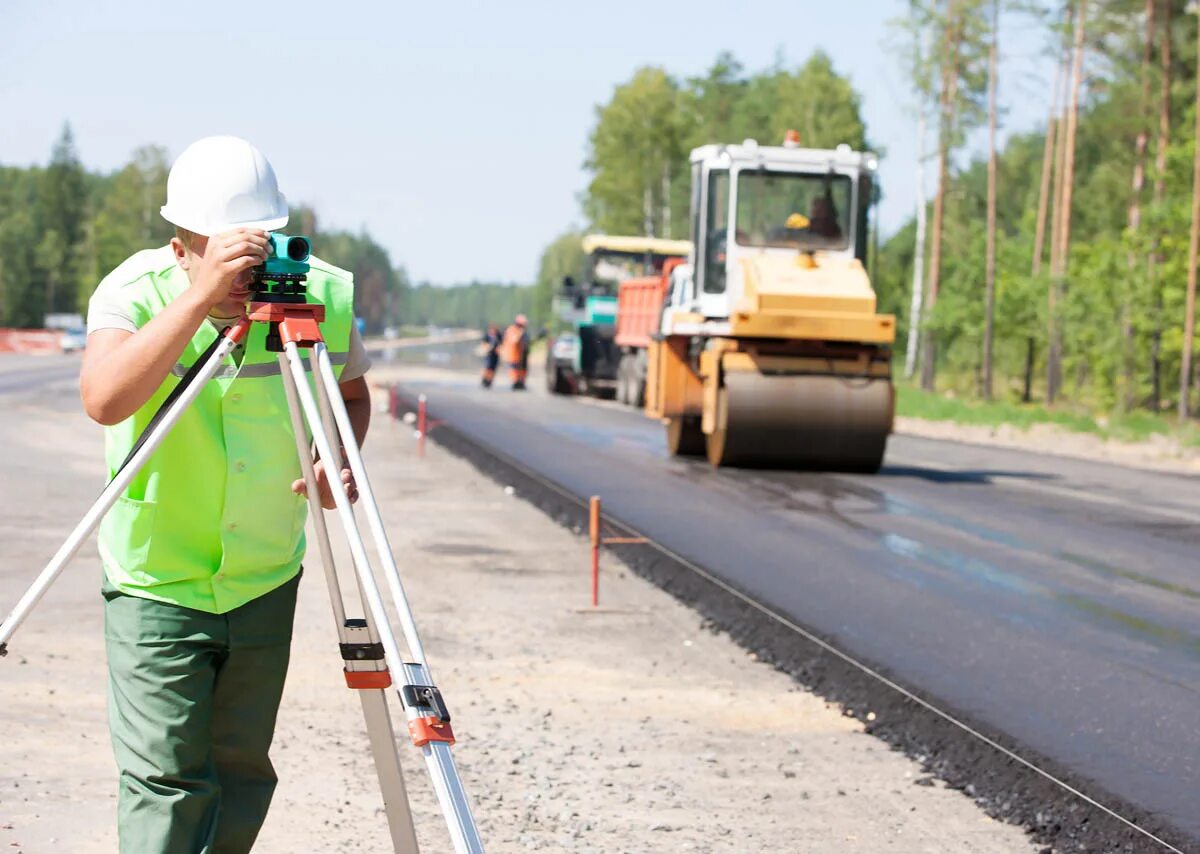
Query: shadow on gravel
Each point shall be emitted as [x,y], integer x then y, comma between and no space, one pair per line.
[980,476]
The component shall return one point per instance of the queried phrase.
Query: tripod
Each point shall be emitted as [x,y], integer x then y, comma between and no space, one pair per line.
[368,645]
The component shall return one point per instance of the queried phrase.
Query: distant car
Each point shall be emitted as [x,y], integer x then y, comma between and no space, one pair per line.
[73,340]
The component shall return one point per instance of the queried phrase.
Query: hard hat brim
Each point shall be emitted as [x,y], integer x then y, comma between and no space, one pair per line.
[209,230]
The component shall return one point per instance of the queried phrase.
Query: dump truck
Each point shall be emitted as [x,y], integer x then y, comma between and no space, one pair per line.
[639,317]
[585,359]
[769,350]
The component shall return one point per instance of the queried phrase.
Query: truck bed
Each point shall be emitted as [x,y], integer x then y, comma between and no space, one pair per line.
[639,310]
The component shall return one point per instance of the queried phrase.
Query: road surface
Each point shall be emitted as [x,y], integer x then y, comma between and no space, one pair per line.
[1055,601]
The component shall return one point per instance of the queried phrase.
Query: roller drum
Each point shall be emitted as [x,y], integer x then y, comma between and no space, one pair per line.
[801,421]
[684,437]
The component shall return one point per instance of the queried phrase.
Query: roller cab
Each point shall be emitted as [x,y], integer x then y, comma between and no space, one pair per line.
[769,350]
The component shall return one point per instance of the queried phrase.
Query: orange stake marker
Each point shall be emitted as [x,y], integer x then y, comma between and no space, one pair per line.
[594,530]
[422,409]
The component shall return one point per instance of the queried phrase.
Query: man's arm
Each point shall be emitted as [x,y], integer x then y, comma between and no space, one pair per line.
[122,370]
[357,396]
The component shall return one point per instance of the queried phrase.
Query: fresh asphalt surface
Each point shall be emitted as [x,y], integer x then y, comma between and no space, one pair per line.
[1056,601]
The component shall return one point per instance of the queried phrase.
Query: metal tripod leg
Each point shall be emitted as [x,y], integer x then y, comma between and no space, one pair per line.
[439,760]
[356,635]
[428,720]
[108,497]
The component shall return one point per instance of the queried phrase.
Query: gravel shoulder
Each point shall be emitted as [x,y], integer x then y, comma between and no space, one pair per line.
[1159,453]
[630,728]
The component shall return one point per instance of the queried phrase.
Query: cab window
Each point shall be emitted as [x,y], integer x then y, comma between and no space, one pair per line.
[716,233]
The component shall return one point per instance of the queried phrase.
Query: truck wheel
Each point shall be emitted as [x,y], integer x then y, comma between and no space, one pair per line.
[684,437]
[638,367]
[556,382]
[623,395]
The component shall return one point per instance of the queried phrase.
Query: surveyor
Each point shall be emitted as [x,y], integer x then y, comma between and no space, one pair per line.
[514,349]
[491,354]
[202,553]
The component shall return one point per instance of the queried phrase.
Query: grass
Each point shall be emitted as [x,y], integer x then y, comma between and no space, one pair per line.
[1130,427]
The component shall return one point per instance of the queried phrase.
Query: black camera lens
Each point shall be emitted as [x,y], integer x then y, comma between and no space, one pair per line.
[298,248]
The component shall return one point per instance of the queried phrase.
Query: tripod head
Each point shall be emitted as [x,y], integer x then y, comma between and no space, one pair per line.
[280,298]
[281,278]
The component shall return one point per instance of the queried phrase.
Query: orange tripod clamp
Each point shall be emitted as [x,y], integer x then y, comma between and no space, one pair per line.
[298,322]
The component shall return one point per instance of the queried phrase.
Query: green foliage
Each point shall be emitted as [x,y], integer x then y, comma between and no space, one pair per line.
[563,257]
[473,305]
[380,289]
[638,154]
[63,229]
[1135,426]
[1122,307]
[814,100]
[127,217]
[638,149]
[44,222]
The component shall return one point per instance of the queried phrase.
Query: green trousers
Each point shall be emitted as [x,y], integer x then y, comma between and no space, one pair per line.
[192,699]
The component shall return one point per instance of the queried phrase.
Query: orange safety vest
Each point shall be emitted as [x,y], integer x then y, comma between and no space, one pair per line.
[512,348]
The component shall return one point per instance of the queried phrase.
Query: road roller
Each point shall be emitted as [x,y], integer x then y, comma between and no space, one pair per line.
[770,352]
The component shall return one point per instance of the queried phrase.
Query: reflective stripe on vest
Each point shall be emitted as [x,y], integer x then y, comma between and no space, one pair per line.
[269,369]
[211,522]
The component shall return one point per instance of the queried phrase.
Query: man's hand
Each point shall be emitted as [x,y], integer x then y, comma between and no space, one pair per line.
[226,262]
[301,488]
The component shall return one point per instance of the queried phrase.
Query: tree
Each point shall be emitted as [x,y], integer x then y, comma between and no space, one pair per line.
[714,101]
[1189,315]
[917,67]
[127,218]
[637,153]
[562,257]
[63,214]
[1134,218]
[990,265]
[1063,236]
[1160,168]
[378,286]
[957,24]
[814,100]
[639,146]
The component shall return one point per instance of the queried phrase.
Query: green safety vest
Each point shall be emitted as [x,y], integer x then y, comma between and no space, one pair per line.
[210,522]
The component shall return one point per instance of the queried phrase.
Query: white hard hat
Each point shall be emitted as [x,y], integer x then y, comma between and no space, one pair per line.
[222,182]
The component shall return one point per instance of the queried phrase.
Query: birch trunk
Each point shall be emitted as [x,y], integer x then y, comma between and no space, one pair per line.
[1160,169]
[990,271]
[918,279]
[1189,312]
[947,102]
[1059,276]
[1048,170]
[1134,219]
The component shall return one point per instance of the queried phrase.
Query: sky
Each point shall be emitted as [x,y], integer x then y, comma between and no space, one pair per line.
[454,133]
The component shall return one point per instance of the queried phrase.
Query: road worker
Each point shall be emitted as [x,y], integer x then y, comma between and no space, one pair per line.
[514,349]
[202,552]
[491,354]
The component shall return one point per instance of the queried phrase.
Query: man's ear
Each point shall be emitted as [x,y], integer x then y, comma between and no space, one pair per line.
[182,256]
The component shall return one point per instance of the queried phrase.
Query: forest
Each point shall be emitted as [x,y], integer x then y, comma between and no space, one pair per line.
[62,228]
[1059,267]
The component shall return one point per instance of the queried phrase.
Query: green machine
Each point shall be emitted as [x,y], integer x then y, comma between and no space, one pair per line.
[584,360]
